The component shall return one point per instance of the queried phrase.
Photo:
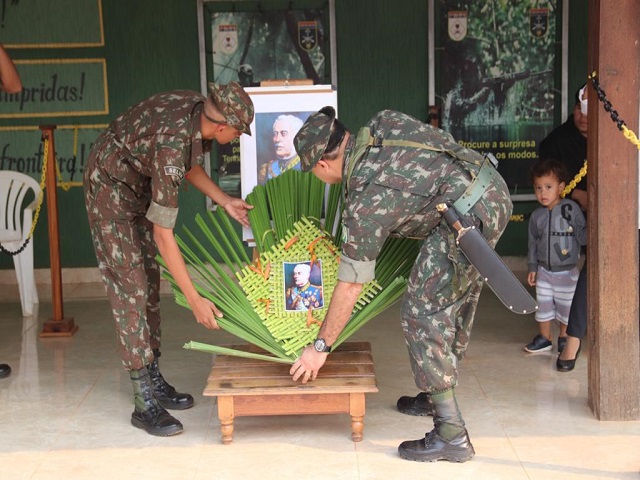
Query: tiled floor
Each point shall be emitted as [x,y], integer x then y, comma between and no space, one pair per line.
[65,409]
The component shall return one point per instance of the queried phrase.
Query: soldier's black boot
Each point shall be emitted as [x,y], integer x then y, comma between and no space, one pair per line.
[149,414]
[420,405]
[165,393]
[449,439]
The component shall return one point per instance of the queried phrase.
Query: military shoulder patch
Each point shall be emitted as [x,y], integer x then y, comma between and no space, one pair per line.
[174,172]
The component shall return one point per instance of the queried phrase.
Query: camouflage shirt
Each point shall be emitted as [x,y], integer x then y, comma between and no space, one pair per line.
[393,190]
[149,148]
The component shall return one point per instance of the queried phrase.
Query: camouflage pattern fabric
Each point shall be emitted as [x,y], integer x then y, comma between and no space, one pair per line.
[393,191]
[131,181]
[312,139]
[234,103]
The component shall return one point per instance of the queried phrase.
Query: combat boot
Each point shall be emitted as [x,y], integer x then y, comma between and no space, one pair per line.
[149,414]
[433,447]
[420,405]
[449,439]
[165,393]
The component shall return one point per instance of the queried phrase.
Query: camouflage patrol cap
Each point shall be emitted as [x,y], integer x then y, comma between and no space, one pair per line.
[312,139]
[234,103]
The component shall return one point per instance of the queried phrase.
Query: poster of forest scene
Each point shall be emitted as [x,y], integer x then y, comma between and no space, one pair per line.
[496,70]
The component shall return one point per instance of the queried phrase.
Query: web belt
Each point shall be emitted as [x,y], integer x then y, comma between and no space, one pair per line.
[476,188]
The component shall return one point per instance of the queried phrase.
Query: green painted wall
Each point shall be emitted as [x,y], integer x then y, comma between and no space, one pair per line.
[152,46]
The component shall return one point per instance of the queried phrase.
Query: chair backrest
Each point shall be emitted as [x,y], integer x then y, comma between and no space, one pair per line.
[13,188]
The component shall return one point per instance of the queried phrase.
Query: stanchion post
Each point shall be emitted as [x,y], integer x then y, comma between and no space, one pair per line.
[58,326]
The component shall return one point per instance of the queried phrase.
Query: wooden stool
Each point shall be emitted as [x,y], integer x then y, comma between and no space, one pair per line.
[247,387]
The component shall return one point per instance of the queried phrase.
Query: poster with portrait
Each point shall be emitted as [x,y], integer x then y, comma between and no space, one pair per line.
[279,113]
[303,286]
[496,64]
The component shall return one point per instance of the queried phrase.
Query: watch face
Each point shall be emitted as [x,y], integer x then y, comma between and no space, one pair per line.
[320,345]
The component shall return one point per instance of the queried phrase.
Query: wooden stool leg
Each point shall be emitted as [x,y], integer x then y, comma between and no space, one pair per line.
[225,415]
[357,410]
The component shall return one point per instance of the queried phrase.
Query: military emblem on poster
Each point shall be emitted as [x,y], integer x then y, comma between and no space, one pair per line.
[308,35]
[539,21]
[228,38]
[457,25]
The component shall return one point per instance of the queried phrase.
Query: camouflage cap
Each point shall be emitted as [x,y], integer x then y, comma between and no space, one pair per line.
[234,103]
[312,139]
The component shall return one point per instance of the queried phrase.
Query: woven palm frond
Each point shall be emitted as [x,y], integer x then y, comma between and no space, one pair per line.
[287,224]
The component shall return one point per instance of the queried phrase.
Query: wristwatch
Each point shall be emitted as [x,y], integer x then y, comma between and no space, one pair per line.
[321,346]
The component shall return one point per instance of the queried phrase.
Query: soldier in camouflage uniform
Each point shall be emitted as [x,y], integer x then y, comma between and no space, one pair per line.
[131,183]
[395,172]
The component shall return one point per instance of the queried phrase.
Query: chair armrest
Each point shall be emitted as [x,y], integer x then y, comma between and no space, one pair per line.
[27,218]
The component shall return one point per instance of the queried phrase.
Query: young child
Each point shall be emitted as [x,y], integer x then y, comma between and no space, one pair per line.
[557,230]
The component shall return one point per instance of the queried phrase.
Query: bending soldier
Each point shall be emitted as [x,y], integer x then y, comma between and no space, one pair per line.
[132,181]
[395,173]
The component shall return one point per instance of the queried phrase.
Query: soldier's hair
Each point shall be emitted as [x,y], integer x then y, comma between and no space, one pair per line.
[338,131]
[549,166]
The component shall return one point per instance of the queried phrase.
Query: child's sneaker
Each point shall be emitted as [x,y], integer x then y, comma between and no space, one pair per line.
[538,344]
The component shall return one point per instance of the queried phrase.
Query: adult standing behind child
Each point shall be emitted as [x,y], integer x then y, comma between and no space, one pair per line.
[568,144]
[557,230]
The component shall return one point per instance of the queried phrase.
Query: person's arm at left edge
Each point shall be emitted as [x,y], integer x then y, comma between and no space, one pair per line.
[235,207]
[9,79]
[342,303]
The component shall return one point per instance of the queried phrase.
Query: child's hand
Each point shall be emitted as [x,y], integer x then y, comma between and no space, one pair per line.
[531,279]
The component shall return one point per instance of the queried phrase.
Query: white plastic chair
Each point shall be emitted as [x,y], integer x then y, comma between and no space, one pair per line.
[13,232]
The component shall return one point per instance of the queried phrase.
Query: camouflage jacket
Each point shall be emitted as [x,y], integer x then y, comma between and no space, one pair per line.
[393,190]
[149,148]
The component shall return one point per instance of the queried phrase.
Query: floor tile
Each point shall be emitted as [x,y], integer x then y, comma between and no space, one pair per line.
[65,410]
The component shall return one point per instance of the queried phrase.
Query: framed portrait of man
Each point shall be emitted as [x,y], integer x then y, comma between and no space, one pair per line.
[277,154]
[303,286]
[279,113]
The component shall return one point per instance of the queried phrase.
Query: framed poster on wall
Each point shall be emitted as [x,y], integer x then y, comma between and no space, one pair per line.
[497,68]
[279,114]
[258,44]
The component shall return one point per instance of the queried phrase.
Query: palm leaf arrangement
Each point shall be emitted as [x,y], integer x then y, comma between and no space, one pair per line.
[254,294]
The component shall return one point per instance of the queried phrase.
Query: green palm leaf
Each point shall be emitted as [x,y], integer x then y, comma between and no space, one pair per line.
[295,219]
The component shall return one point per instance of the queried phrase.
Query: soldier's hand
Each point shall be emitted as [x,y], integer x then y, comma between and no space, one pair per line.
[307,366]
[238,210]
[206,312]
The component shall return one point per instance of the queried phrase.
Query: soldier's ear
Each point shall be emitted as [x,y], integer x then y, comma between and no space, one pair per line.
[218,129]
[322,163]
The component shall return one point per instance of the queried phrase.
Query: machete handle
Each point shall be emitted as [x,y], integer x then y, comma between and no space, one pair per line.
[451,216]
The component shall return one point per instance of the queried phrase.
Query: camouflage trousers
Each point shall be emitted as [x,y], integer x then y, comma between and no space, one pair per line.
[439,306]
[125,250]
